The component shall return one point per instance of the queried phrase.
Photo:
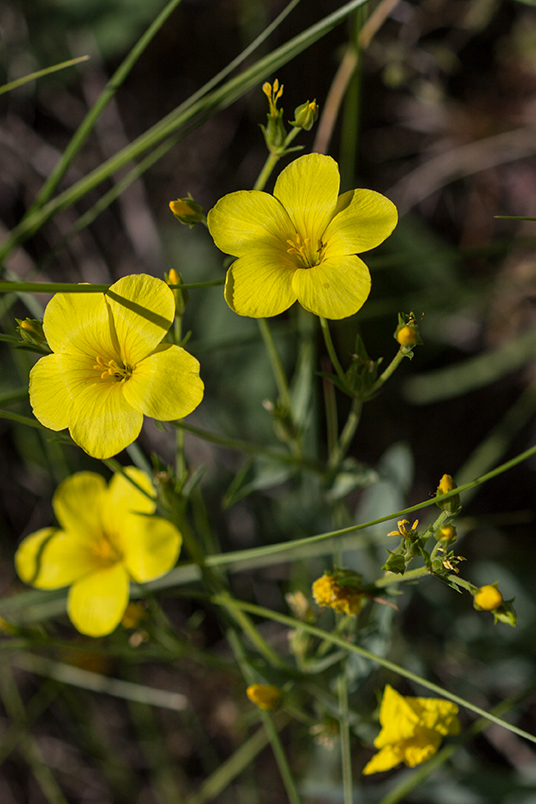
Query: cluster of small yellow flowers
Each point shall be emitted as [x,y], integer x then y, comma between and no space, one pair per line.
[412,730]
[265,696]
[344,599]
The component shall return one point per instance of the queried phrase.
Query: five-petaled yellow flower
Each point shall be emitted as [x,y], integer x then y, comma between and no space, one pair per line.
[412,730]
[109,368]
[107,538]
[301,243]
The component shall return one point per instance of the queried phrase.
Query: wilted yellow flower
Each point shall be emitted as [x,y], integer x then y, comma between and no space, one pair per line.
[265,696]
[412,730]
[109,368]
[344,599]
[488,598]
[107,538]
[404,531]
[300,243]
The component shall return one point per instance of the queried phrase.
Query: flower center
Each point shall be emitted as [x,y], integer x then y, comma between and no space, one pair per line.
[105,552]
[111,370]
[306,254]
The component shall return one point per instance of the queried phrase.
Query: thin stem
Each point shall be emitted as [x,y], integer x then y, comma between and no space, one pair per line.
[347,435]
[344,734]
[391,368]
[88,123]
[275,362]
[273,159]
[331,350]
[395,668]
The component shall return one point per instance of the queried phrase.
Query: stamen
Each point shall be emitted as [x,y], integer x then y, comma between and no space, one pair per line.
[112,369]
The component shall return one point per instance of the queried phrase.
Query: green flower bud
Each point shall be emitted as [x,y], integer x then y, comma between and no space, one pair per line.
[305,115]
[187,211]
[31,330]
[453,505]
[396,563]
[274,131]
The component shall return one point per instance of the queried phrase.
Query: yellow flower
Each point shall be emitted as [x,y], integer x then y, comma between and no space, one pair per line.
[107,538]
[344,599]
[108,368]
[412,730]
[265,696]
[488,598]
[301,243]
[404,531]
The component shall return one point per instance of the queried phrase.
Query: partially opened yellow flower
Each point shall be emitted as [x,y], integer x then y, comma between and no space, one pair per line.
[412,730]
[107,538]
[109,368]
[301,243]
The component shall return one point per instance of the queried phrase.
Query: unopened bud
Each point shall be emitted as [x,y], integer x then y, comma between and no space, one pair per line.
[488,598]
[31,330]
[265,696]
[187,211]
[305,115]
[452,505]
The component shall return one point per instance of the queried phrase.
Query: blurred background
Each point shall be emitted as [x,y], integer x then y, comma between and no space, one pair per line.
[441,117]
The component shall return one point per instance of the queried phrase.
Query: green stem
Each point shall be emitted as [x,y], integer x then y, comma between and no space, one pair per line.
[347,435]
[275,362]
[273,159]
[87,124]
[344,733]
[471,588]
[391,368]
[331,351]
[395,668]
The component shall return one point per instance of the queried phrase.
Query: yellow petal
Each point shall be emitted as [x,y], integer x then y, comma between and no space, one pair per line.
[363,220]
[420,750]
[78,503]
[166,384]
[389,757]
[80,323]
[50,392]
[334,288]
[437,714]
[123,500]
[103,423]
[308,189]
[29,554]
[249,219]
[151,547]
[50,563]
[397,718]
[260,286]
[143,309]
[97,602]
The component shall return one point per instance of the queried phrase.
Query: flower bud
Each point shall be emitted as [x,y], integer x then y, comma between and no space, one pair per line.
[305,115]
[488,598]
[447,535]
[187,211]
[407,333]
[265,696]
[453,505]
[181,295]
[31,330]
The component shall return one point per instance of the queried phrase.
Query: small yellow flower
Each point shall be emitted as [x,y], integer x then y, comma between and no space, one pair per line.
[300,243]
[403,530]
[344,599]
[488,598]
[109,368]
[107,538]
[265,696]
[412,730]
